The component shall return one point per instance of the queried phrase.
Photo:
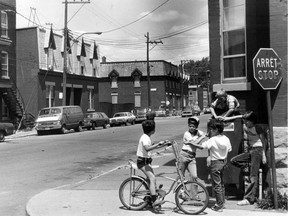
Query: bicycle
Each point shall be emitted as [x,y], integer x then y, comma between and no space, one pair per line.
[191,197]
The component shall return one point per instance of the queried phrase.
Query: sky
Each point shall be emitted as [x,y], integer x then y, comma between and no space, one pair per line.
[181,26]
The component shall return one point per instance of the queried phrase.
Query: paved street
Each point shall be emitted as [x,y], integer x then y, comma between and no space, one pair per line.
[34,163]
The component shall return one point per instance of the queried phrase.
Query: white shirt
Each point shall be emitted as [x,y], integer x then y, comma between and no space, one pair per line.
[219,147]
[144,141]
[190,137]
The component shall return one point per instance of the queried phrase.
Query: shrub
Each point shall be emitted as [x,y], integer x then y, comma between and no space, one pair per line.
[268,201]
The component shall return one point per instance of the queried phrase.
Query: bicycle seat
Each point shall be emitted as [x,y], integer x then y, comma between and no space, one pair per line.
[134,165]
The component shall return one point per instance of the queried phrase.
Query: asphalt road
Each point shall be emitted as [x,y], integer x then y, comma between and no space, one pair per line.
[32,164]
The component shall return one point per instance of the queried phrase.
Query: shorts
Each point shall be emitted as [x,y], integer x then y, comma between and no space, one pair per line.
[141,162]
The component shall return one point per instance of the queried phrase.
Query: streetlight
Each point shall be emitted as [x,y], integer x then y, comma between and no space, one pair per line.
[65,60]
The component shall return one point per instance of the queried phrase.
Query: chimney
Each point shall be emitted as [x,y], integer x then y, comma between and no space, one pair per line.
[103,59]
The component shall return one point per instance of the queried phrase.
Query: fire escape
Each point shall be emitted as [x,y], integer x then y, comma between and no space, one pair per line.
[15,103]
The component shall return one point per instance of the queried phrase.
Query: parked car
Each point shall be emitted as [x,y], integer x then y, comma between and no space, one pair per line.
[59,119]
[206,110]
[122,118]
[95,119]
[187,112]
[140,115]
[196,110]
[6,129]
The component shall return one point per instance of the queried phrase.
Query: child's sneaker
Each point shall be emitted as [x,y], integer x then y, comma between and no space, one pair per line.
[217,208]
[157,202]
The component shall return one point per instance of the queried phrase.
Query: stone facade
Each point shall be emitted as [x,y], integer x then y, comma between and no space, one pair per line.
[281,158]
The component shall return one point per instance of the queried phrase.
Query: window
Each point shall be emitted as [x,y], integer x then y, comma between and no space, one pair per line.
[114,98]
[137,81]
[4,65]
[234,39]
[4,24]
[114,83]
[137,98]
[5,110]
[91,98]
[50,94]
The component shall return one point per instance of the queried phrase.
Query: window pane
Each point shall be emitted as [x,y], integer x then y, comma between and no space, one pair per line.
[234,42]
[234,17]
[234,67]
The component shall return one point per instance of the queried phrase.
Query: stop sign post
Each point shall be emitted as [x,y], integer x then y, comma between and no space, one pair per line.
[267,72]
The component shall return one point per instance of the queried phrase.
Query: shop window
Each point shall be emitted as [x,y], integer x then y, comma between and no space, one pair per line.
[114,98]
[234,39]
[4,24]
[4,65]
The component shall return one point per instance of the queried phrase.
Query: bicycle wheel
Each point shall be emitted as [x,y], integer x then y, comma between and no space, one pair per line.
[192,198]
[133,193]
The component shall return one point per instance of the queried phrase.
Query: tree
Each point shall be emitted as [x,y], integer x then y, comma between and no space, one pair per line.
[198,71]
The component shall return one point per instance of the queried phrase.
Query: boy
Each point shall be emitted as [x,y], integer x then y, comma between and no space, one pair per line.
[225,105]
[144,157]
[188,153]
[218,145]
[257,146]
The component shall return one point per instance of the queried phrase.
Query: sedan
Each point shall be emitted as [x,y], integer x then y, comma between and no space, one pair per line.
[95,119]
[122,118]
[187,112]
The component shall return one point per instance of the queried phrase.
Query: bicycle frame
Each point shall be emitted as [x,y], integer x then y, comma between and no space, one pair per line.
[180,176]
[134,191]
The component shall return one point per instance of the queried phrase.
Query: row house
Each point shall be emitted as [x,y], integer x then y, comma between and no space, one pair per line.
[40,70]
[10,105]
[124,86]
[237,30]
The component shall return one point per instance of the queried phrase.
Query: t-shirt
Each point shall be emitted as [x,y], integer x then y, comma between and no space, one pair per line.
[144,141]
[252,136]
[190,137]
[231,103]
[219,147]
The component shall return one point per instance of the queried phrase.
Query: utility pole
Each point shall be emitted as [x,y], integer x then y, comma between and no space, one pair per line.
[65,46]
[148,67]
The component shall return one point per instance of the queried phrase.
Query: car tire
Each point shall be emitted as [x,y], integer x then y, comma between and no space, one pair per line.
[126,123]
[93,126]
[111,125]
[2,136]
[78,128]
[133,122]
[63,129]
[105,126]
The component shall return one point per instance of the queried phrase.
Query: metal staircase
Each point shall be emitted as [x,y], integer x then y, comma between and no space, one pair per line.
[15,103]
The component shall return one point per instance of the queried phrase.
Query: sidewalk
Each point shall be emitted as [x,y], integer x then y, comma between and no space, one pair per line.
[99,196]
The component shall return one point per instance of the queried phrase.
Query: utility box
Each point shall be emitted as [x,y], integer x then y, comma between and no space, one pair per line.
[233,177]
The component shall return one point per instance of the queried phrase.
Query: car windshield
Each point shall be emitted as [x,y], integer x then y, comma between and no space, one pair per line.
[119,114]
[50,111]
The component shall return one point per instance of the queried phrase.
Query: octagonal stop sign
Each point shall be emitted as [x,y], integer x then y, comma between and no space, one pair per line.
[266,68]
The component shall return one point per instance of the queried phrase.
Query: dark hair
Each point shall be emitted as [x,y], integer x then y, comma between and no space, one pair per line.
[252,117]
[216,124]
[148,126]
[194,120]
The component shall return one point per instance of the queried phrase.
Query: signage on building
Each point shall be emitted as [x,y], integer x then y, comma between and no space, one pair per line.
[266,68]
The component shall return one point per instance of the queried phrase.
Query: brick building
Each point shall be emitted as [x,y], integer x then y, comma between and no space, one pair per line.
[237,30]
[40,70]
[124,85]
[10,105]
